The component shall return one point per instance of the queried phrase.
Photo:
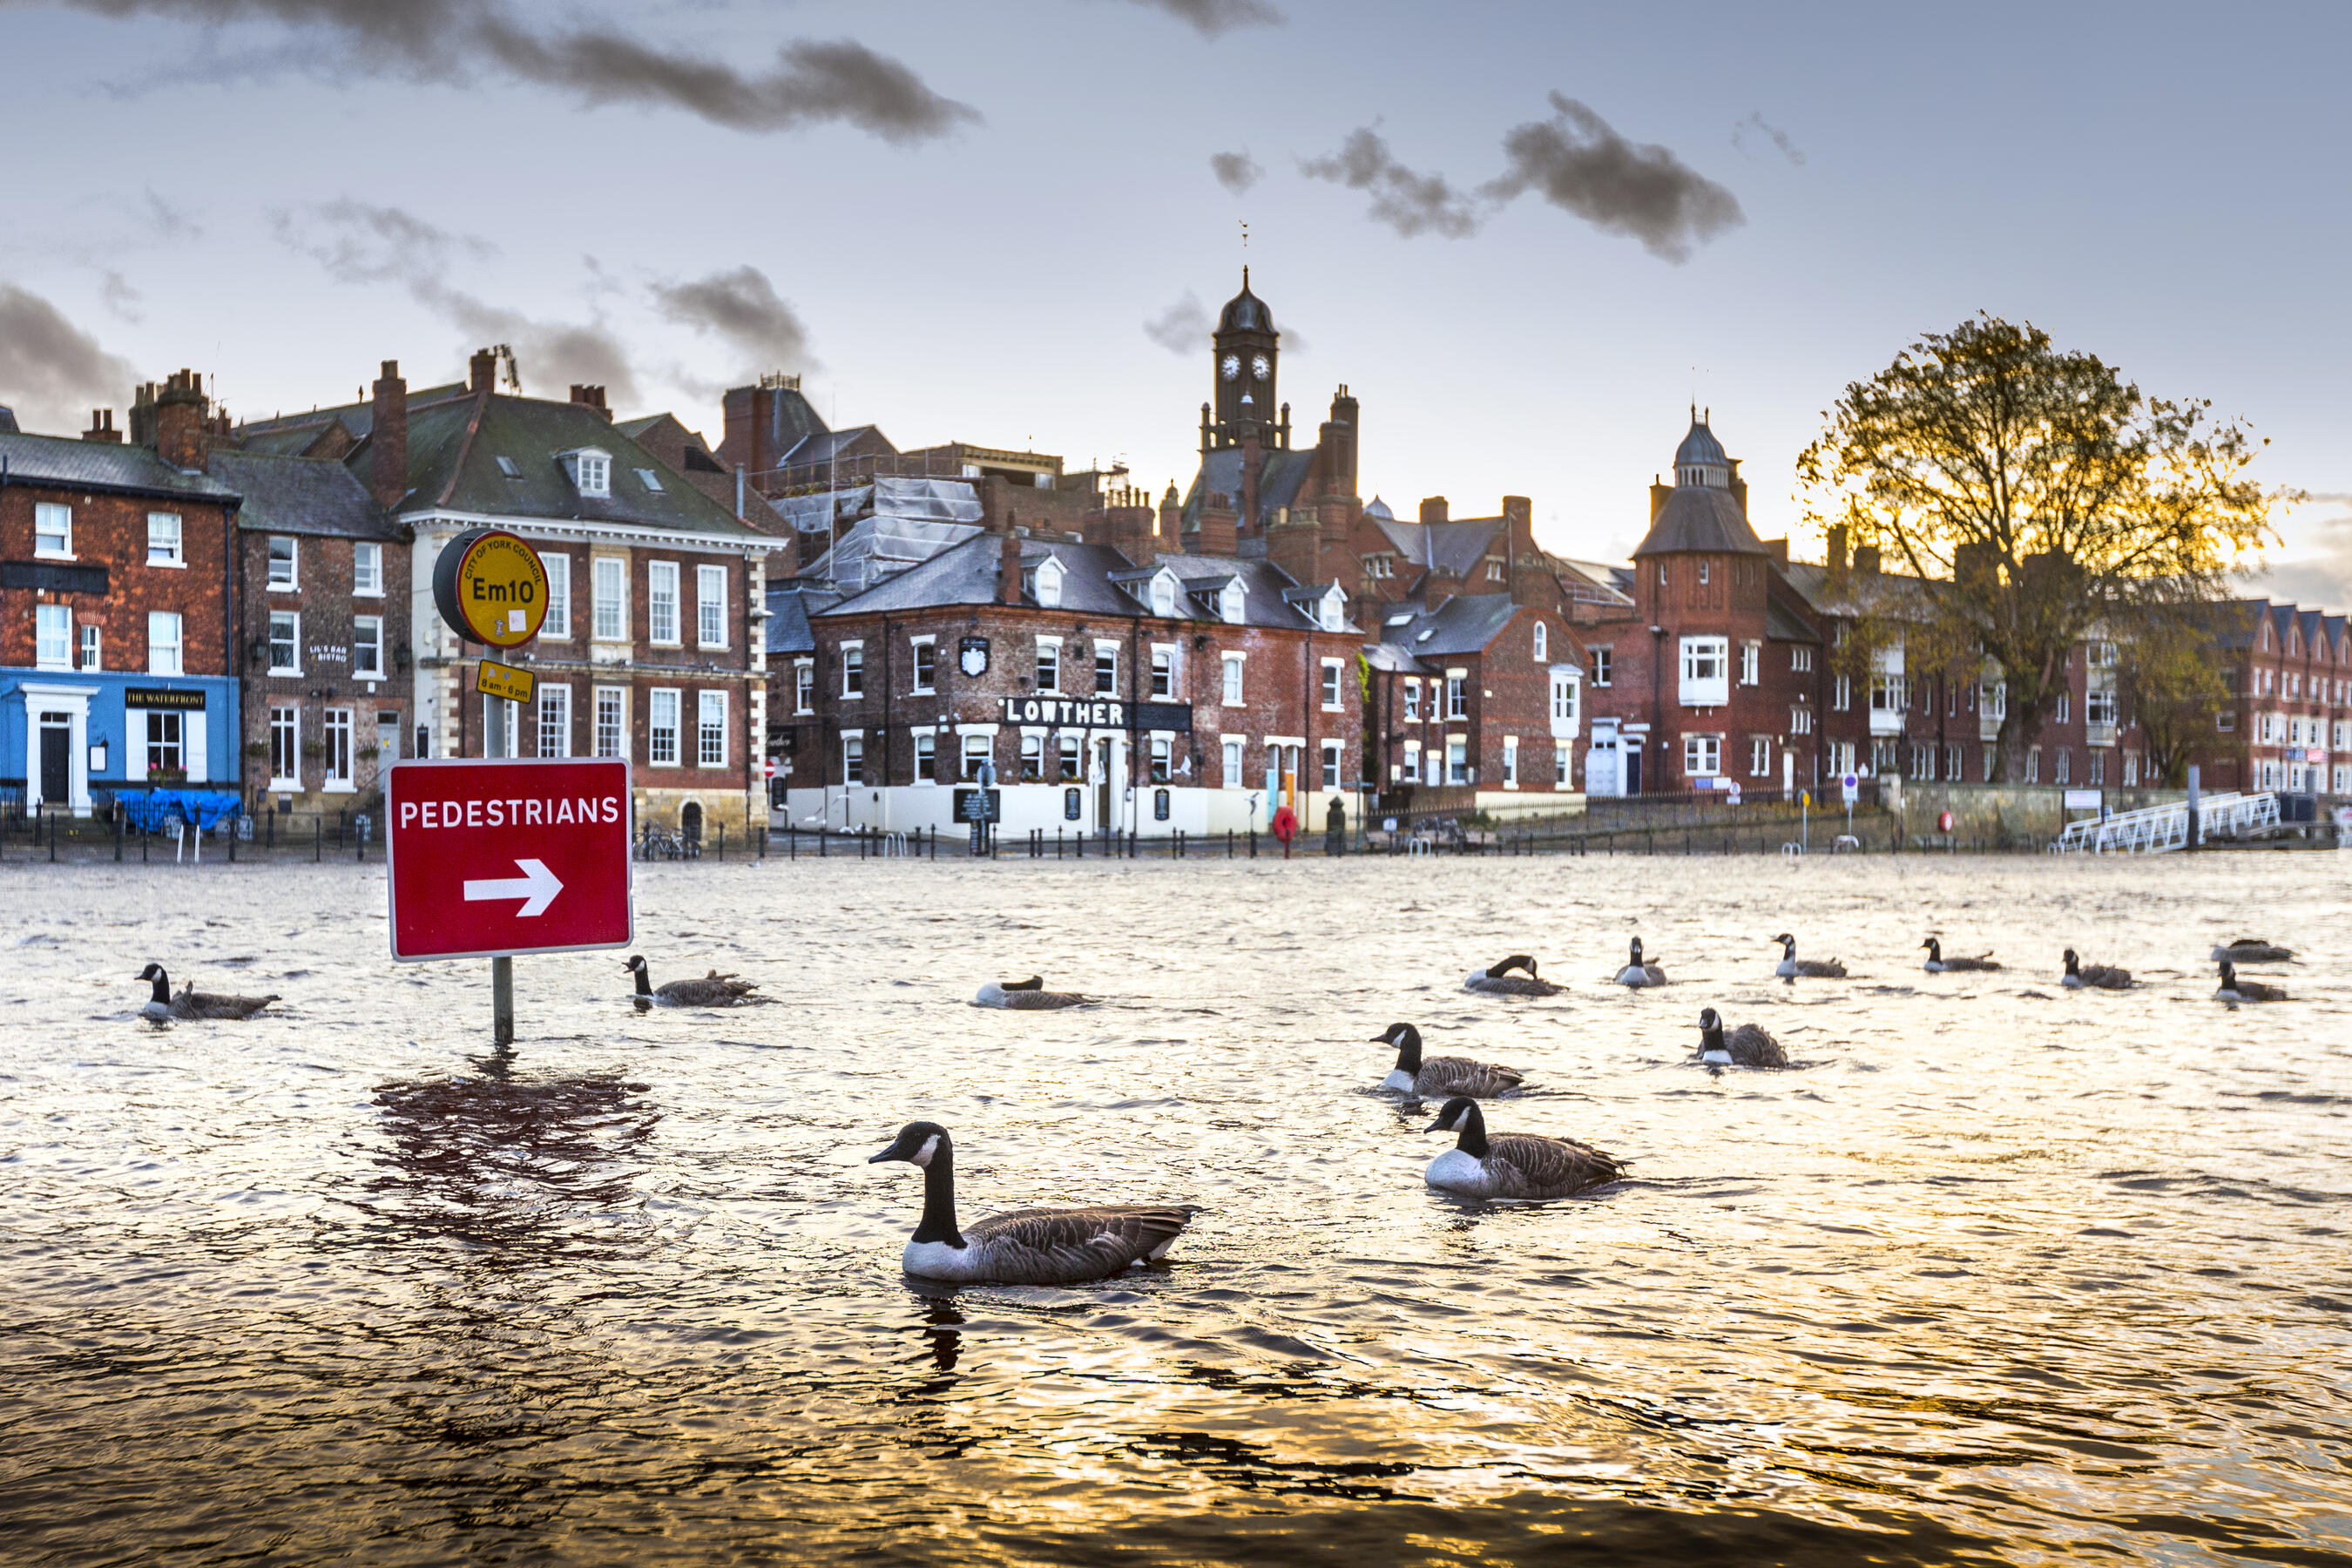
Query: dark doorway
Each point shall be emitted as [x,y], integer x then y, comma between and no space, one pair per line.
[56,759]
[1633,750]
[689,822]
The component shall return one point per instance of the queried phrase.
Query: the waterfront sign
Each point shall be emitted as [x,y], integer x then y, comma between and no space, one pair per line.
[491,587]
[487,857]
[1098,713]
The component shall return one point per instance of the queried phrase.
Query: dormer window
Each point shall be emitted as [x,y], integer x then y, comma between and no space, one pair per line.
[590,471]
[1332,608]
[1046,583]
[1163,595]
[1231,602]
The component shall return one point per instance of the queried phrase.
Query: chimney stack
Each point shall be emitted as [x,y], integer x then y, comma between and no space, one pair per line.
[1866,560]
[592,397]
[1837,537]
[182,437]
[1008,564]
[102,426]
[388,437]
[482,371]
[1432,508]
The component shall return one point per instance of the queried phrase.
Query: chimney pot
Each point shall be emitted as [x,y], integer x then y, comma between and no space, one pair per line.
[482,371]
[388,437]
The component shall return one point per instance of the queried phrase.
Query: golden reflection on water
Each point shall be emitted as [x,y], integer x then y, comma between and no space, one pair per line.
[1999,1272]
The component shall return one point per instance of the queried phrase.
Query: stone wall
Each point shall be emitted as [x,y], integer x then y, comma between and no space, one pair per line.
[2005,815]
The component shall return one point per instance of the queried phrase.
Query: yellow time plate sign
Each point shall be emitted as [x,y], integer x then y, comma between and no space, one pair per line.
[492,678]
[491,586]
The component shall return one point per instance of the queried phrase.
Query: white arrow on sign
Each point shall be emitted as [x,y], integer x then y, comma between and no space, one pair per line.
[537,887]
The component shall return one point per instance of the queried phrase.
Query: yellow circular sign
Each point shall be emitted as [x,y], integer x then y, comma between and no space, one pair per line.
[491,587]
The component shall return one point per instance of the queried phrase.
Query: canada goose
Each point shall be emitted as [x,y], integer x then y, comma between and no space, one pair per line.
[1027,1247]
[1938,965]
[1501,982]
[192,1002]
[1749,1047]
[1511,1165]
[713,990]
[2252,950]
[2095,977]
[1028,995]
[1641,972]
[1436,1075]
[1791,964]
[2236,990]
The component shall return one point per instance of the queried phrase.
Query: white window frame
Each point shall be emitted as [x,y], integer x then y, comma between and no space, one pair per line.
[663,627]
[1563,764]
[1047,669]
[608,588]
[337,731]
[367,584]
[1412,769]
[658,699]
[1510,761]
[91,653]
[557,627]
[554,716]
[853,669]
[805,686]
[167,642]
[590,472]
[1105,646]
[1231,752]
[976,747]
[918,682]
[290,579]
[1164,671]
[1236,675]
[166,532]
[1702,756]
[710,721]
[853,757]
[1457,759]
[1841,694]
[285,745]
[1706,671]
[1334,688]
[374,669]
[1334,756]
[710,607]
[52,520]
[1800,658]
[927,757]
[1563,699]
[1542,643]
[1751,662]
[1413,699]
[1759,756]
[1457,694]
[53,636]
[292,621]
[611,737]
[1603,661]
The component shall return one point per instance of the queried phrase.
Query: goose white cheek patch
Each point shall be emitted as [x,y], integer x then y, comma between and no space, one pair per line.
[930,1147]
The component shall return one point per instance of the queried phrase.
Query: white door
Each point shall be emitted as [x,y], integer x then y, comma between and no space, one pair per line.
[1603,767]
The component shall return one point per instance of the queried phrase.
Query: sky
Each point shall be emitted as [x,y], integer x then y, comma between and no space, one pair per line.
[1526,236]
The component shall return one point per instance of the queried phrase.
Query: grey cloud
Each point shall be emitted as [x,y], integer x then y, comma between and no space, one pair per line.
[812,81]
[1780,138]
[51,372]
[1211,18]
[169,221]
[358,243]
[120,297]
[740,306]
[1237,171]
[1579,162]
[1408,202]
[1182,328]
[2323,576]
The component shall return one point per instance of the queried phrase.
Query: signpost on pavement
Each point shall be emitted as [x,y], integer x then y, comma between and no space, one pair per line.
[1851,785]
[490,857]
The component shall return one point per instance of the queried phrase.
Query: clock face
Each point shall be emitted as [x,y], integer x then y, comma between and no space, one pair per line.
[1260,368]
[1233,367]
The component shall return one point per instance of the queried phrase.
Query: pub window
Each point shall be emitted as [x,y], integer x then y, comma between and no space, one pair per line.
[1049,664]
[1066,748]
[367,648]
[1331,685]
[976,751]
[1032,758]
[1106,670]
[927,667]
[1164,671]
[853,670]
[1160,747]
[853,759]
[90,658]
[367,568]
[52,529]
[927,759]
[285,643]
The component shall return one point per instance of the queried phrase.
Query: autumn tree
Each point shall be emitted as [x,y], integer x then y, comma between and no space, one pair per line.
[2038,496]
[2170,677]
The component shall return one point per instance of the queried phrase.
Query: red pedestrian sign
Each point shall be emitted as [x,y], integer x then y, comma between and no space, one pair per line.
[489,857]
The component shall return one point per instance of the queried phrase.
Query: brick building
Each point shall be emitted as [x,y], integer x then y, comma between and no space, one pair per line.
[1475,703]
[2288,722]
[650,649]
[1147,691]
[116,609]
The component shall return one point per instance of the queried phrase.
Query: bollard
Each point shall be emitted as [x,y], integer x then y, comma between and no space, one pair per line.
[1252,833]
[722,841]
[502,1001]
[118,835]
[318,836]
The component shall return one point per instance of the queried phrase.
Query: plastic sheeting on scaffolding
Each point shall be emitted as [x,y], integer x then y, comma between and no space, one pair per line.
[910,521]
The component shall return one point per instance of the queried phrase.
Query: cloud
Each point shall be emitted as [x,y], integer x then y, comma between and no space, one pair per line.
[1578,163]
[1183,328]
[1408,202]
[120,297]
[169,221]
[1237,171]
[2322,576]
[810,82]
[1757,121]
[741,308]
[51,372]
[1212,19]
[362,244]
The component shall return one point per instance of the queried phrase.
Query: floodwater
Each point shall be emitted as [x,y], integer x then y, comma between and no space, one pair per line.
[1998,1273]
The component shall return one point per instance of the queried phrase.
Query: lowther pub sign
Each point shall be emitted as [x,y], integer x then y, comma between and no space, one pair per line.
[972,657]
[1098,713]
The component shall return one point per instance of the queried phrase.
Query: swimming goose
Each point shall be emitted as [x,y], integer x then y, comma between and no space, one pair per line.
[1938,965]
[1438,1075]
[713,990]
[1639,972]
[1791,964]
[2252,950]
[2236,990]
[1501,982]
[1512,1165]
[1027,1247]
[2093,978]
[1028,995]
[192,1002]
[1750,1046]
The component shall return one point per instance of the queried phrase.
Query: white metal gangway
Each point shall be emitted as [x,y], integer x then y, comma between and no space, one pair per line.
[2157,828]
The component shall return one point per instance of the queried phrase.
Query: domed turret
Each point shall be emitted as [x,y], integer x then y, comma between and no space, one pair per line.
[1246,312]
[1701,459]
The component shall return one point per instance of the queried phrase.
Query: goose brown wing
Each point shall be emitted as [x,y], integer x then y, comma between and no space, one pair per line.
[1048,1246]
[1042,1001]
[1983,960]
[1822,969]
[1527,1165]
[2107,977]
[1752,1048]
[1460,1075]
[1518,985]
[2255,991]
[192,1002]
[713,990]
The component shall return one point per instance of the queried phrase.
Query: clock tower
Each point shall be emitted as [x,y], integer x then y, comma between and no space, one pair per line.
[1246,349]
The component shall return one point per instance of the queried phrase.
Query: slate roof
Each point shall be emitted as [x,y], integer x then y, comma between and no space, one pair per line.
[118,466]
[1456,545]
[821,446]
[1246,312]
[1281,471]
[1700,446]
[293,432]
[1700,517]
[1463,623]
[789,609]
[965,573]
[303,495]
[1781,624]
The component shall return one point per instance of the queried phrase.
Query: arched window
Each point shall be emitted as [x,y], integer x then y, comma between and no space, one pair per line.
[1543,642]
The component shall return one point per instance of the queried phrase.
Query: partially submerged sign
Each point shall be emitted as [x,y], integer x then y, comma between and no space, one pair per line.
[487,857]
[491,587]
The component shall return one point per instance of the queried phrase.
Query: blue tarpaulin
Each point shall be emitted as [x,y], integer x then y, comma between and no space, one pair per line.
[152,810]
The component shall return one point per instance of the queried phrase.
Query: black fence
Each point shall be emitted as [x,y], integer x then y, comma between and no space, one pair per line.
[108,834]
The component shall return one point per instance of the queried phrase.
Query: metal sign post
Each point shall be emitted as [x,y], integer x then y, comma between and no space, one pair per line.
[1850,785]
